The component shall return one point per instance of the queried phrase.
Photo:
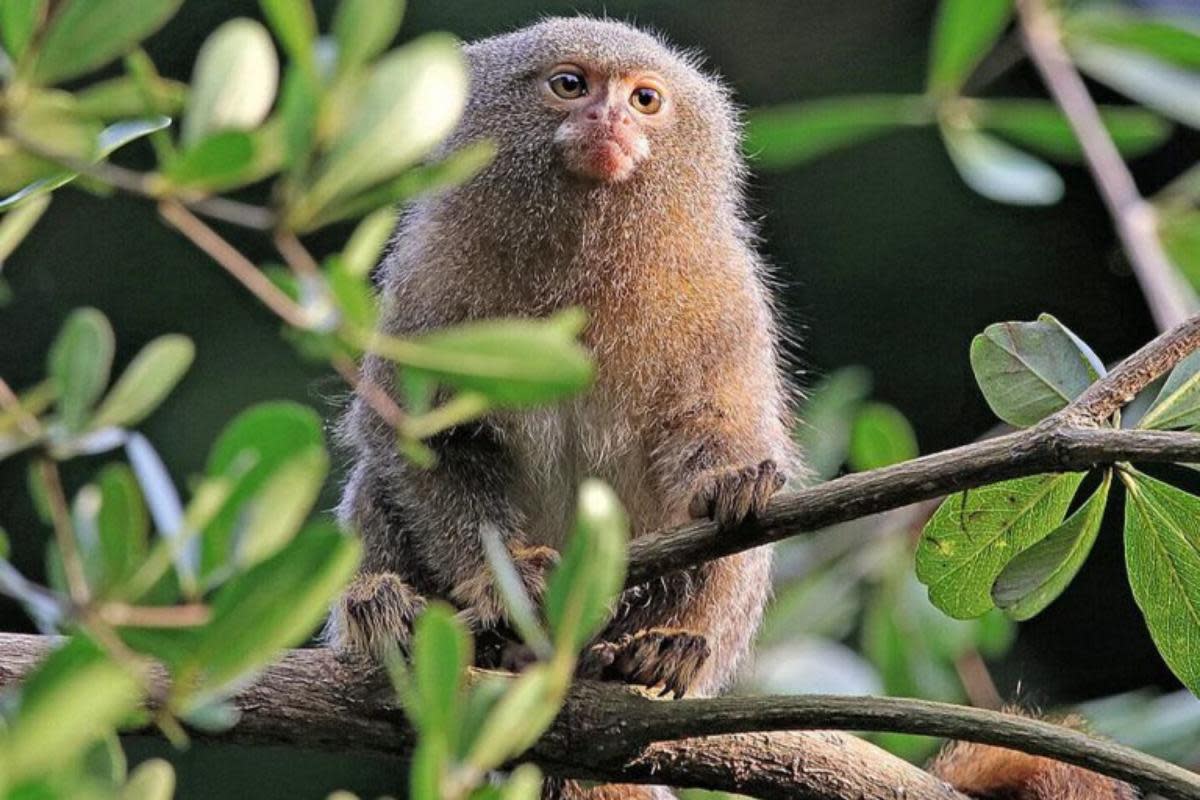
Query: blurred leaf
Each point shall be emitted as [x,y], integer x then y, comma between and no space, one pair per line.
[299,110]
[79,363]
[429,760]
[441,653]
[217,161]
[5,545]
[999,171]
[1162,554]
[18,20]
[250,625]
[1178,404]
[122,524]
[106,760]
[519,718]
[1170,90]
[963,33]
[525,783]
[146,382]
[119,98]
[353,294]
[517,604]
[881,436]
[582,589]
[411,100]
[1040,126]
[278,510]
[456,168]
[1124,28]
[215,717]
[827,416]
[71,700]
[251,449]
[363,29]
[365,247]
[1037,576]
[1029,370]
[85,34]
[791,134]
[17,224]
[233,82]
[162,499]
[152,780]
[514,363]
[1180,233]
[296,26]
[974,534]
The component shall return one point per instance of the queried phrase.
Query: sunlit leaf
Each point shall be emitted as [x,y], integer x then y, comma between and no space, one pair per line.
[217,161]
[1040,126]
[963,33]
[974,534]
[1178,404]
[999,171]
[151,780]
[525,783]
[1168,89]
[363,29]
[234,81]
[581,590]
[519,718]
[518,606]
[786,135]
[365,246]
[86,34]
[1029,370]
[146,382]
[278,510]
[1036,577]
[79,363]
[881,436]
[1162,555]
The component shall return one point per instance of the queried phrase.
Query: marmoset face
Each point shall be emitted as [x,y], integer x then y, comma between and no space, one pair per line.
[609,117]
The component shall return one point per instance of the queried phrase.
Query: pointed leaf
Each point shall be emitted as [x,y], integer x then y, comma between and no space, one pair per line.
[1029,370]
[1162,554]
[974,534]
[1178,404]
[86,34]
[1001,172]
[234,81]
[146,382]
[79,363]
[1036,577]
[963,33]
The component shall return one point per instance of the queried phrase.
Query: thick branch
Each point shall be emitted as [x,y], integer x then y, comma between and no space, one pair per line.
[1065,442]
[1169,297]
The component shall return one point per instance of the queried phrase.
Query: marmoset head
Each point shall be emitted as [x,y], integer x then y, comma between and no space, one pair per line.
[598,100]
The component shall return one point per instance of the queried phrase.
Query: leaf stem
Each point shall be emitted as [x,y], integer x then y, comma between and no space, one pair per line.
[77,585]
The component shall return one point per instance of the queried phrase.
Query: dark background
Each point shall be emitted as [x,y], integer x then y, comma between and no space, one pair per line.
[884,257]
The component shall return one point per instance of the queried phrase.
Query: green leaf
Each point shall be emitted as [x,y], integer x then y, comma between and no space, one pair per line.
[1170,90]
[455,169]
[251,449]
[118,98]
[1040,126]
[146,382]
[411,100]
[514,363]
[220,160]
[974,534]
[299,109]
[277,511]
[250,624]
[86,34]
[881,436]
[353,294]
[441,653]
[79,363]
[152,780]
[1157,36]
[18,20]
[581,590]
[1178,404]
[17,224]
[1029,370]
[999,171]
[1180,233]
[73,699]
[827,416]
[517,605]
[363,29]
[791,134]
[366,244]
[519,718]
[123,524]
[1162,555]
[525,783]
[233,82]
[1036,577]
[963,33]
[296,26]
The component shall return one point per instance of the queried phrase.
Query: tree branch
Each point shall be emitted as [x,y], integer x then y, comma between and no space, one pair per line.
[1066,442]
[1169,297]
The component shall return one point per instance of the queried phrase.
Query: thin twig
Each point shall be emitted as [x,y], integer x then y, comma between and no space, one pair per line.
[11,404]
[56,499]
[1170,299]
